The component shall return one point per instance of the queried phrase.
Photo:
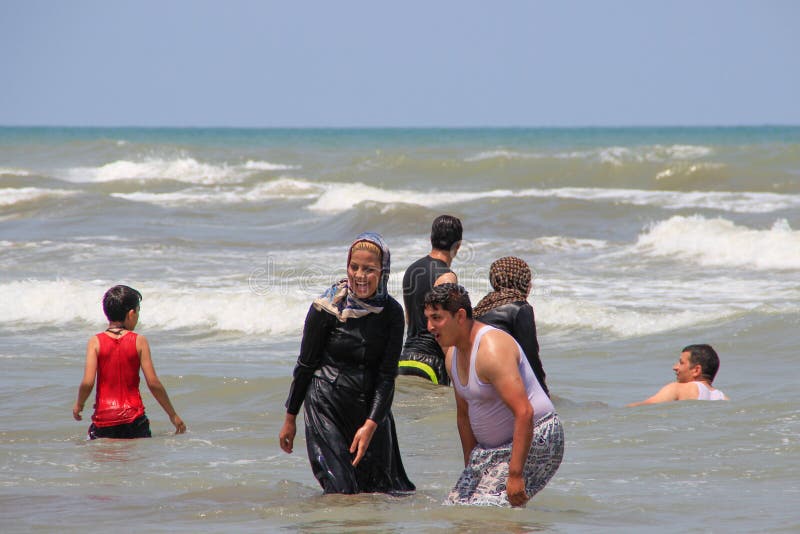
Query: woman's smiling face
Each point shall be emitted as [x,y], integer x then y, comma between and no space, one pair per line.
[364,273]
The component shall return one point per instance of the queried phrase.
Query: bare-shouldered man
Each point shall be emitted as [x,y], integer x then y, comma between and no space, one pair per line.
[695,371]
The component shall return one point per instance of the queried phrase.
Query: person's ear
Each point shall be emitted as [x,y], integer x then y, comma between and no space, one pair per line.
[697,371]
[461,315]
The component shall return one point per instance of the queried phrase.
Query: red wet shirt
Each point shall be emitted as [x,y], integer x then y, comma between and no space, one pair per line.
[117,401]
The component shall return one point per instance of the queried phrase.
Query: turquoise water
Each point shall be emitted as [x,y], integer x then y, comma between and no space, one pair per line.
[642,240]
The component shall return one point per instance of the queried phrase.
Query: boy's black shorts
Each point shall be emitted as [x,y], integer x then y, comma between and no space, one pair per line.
[138,428]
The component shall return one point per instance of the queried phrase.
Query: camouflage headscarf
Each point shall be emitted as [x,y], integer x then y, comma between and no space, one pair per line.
[510,277]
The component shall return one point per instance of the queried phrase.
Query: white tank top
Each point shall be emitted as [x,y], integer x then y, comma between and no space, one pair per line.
[491,420]
[703,393]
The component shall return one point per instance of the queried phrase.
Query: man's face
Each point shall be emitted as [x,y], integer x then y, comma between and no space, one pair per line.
[684,370]
[442,324]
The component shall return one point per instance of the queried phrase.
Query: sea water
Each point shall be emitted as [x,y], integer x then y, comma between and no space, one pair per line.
[641,240]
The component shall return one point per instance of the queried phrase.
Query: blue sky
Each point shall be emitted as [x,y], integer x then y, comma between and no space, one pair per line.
[411,63]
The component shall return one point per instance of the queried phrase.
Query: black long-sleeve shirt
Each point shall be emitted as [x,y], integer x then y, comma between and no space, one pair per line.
[359,355]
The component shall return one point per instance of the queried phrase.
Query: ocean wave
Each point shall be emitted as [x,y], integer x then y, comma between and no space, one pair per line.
[7,171]
[338,197]
[685,169]
[568,313]
[342,197]
[283,188]
[618,155]
[720,242]
[166,307]
[10,196]
[613,155]
[570,243]
[184,169]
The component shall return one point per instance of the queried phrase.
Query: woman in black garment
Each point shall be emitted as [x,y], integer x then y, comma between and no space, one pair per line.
[507,308]
[345,377]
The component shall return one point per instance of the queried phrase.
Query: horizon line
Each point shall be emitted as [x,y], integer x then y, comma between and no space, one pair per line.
[409,127]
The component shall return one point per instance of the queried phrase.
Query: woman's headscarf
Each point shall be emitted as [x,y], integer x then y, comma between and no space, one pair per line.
[339,299]
[510,277]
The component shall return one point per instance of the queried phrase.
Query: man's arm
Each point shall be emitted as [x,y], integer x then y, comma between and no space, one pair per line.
[89,372]
[498,364]
[666,394]
[468,440]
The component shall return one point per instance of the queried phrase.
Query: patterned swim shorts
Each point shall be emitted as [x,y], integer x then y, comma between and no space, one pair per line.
[483,481]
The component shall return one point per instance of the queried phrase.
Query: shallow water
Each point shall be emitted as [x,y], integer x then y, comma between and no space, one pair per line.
[642,241]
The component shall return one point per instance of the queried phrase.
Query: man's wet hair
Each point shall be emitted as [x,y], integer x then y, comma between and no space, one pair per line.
[445,232]
[706,357]
[119,300]
[450,297]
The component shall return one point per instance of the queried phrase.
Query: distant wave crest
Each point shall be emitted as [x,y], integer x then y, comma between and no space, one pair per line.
[184,169]
[613,155]
[164,307]
[720,242]
[10,196]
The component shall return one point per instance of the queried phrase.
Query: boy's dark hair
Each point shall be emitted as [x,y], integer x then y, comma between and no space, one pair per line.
[445,232]
[706,357]
[450,297]
[119,300]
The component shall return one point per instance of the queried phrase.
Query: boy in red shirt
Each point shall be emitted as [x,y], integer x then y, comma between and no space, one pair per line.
[115,357]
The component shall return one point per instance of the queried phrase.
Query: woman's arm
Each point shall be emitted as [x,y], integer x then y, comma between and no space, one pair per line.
[384,383]
[387,371]
[315,335]
[524,331]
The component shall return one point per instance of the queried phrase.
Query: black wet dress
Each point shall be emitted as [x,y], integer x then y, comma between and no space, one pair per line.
[345,374]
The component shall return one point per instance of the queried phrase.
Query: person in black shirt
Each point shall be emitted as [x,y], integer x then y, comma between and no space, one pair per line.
[422,356]
[345,376]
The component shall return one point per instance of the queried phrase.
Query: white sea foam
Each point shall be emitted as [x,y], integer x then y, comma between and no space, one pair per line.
[570,243]
[338,197]
[502,154]
[267,166]
[342,197]
[583,314]
[687,169]
[8,171]
[10,196]
[164,306]
[618,156]
[184,169]
[720,242]
[284,188]
[613,155]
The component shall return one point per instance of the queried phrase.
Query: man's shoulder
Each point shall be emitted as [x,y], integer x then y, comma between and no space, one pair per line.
[424,260]
[496,343]
[686,390]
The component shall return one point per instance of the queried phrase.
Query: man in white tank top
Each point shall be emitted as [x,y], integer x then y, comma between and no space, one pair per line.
[694,373]
[511,437]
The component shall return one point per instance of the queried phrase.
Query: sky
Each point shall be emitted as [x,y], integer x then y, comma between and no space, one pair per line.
[431,63]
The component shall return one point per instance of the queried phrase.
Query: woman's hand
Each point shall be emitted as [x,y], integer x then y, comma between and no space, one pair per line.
[288,431]
[362,439]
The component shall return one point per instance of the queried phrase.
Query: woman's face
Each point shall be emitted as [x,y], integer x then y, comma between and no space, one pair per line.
[364,273]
